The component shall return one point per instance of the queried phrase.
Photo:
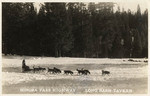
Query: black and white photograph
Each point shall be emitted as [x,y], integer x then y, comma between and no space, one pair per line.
[74,47]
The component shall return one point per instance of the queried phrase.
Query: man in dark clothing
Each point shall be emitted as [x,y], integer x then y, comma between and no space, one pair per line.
[24,67]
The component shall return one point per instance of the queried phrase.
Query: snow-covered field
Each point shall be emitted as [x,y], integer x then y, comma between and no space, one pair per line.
[126,76]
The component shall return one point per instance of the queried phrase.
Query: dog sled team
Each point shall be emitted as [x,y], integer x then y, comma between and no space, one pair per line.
[55,70]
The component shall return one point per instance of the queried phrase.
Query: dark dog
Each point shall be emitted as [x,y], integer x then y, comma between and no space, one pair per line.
[87,71]
[80,71]
[83,72]
[42,69]
[145,61]
[57,70]
[51,70]
[35,69]
[68,72]
[105,72]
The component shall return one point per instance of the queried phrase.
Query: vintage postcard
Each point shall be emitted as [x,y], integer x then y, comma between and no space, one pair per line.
[74,47]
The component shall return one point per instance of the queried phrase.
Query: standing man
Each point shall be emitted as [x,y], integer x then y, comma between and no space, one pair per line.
[23,65]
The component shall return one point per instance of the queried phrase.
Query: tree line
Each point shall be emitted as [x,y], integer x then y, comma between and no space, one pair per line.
[74,30]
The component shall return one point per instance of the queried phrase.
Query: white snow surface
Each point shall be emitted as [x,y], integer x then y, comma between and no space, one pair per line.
[116,73]
[17,61]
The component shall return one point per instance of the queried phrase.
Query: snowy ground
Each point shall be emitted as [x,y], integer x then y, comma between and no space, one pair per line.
[126,76]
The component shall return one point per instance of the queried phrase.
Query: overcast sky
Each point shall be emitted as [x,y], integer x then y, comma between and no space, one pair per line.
[133,6]
[126,5]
